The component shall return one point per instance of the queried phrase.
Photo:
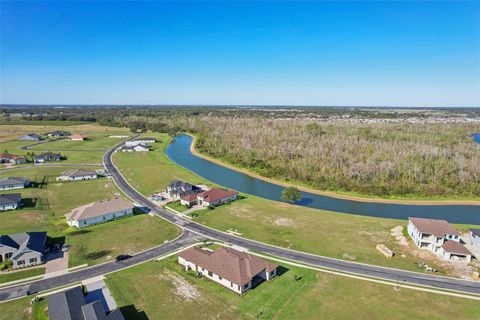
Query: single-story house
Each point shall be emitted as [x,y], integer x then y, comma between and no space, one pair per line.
[452,250]
[25,249]
[437,236]
[475,238]
[58,134]
[141,147]
[78,137]
[215,197]
[177,189]
[189,200]
[71,305]
[99,212]
[235,270]
[77,175]
[145,140]
[30,137]
[10,201]
[47,157]
[14,183]
[11,158]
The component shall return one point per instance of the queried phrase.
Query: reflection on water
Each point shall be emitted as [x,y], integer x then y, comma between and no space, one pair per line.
[179,152]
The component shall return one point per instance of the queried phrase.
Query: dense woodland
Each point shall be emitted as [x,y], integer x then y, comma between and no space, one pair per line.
[305,145]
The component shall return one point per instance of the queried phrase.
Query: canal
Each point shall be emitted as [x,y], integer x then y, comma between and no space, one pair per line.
[179,152]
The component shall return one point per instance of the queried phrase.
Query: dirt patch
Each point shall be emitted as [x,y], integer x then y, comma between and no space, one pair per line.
[397,233]
[285,222]
[181,287]
[107,185]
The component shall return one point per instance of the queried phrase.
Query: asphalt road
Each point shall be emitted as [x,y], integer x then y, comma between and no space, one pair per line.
[187,238]
[399,276]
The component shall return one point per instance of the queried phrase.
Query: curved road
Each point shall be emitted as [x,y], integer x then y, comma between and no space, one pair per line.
[407,277]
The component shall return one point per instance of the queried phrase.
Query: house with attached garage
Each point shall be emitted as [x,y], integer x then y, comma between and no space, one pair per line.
[11,158]
[99,212]
[144,140]
[71,304]
[233,269]
[25,249]
[47,157]
[30,137]
[215,197]
[14,183]
[439,237]
[77,175]
[78,137]
[10,201]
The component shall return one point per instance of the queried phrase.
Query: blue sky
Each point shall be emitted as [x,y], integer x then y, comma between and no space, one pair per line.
[312,53]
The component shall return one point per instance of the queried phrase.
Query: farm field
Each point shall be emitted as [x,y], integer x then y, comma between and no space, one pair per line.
[161,289]
[299,228]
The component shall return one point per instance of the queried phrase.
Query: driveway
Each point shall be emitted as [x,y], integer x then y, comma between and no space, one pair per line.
[97,290]
[56,262]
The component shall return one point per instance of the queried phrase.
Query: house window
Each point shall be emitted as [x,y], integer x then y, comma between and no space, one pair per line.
[219,278]
[210,273]
[20,262]
[245,286]
[272,273]
[231,284]
[33,260]
[103,217]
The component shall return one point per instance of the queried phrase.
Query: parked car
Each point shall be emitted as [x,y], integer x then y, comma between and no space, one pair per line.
[65,247]
[122,257]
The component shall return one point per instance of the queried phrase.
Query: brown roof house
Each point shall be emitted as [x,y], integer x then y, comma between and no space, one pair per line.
[11,158]
[439,237]
[99,212]
[78,137]
[238,271]
[215,197]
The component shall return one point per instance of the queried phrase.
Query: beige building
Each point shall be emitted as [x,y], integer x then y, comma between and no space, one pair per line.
[77,175]
[99,212]
[235,270]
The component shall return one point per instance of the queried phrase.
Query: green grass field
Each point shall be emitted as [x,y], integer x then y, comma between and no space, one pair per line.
[21,309]
[161,290]
[311,230]
[12,276]
[156,171]
[177,206]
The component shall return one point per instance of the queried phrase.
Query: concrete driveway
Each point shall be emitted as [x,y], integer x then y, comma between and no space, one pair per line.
[56,262]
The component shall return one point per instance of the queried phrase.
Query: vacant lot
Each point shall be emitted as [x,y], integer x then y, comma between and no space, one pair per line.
[156,170]
[342,236]
[21,309]
[161,290]
[48,202]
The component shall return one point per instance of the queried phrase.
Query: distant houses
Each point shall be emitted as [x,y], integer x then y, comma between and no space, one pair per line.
[71,305]
[25,249]
[12,183]
[215,197]
[78,137]
[10,201]
[77,175]
[47,157]
[141,147]
[144,140]
[58,134]
[30,137]
[99,212]
[233,269]
[439,237]
[12,158]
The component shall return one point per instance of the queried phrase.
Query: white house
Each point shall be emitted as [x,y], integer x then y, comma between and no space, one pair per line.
[99,212]
[436,236]
[77,175]
[215,197]
[177,189]
[78,137]
[235,270]
[144,140]
[10,201]
[12,183]
[30,137]
[475,238]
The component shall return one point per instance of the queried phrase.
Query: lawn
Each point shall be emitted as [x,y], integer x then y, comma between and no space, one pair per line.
[177,206]
[161,290]
[46,206]
[156,170]
[21,309]
[12,276]
[332,234]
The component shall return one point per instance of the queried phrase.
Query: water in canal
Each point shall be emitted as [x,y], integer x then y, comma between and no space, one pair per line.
[179,152]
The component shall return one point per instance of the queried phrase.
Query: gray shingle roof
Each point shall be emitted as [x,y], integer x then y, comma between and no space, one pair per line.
[10,198]
[475,232]
[66,305]
[78,173]
[13,180]
[23,241]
